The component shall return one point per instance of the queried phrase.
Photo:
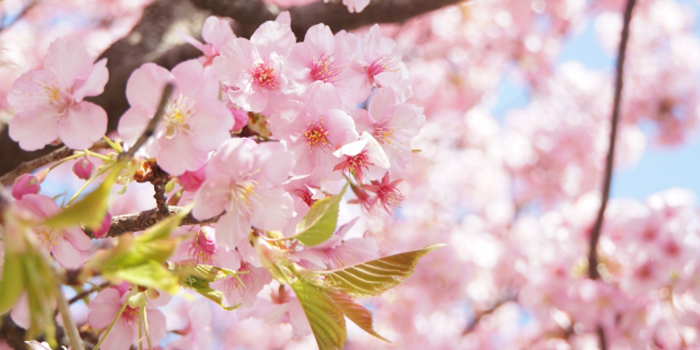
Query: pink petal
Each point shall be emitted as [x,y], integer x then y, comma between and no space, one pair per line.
[230,229]
[273,37]
[320,38]
[234,61]
[84,124]
[177,155]
[20,312]
[381,107]
[104,308]
[95,82]
[132,123]
[121,337]
[192,82]
[212,197]
[145,86]
[66,254]
[69,60]
[35,127]
[217,31]
[39,205]
[274,161]
[273,210]
[30,89]
[77,238]
[211,124]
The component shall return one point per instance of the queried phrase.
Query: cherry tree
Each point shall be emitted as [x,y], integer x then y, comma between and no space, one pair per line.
[196,174]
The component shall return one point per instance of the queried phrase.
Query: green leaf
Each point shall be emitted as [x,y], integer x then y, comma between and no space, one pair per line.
[326,319]
[357,313]
[375,277]
[91,210]
[148,274]
[319,223]
[12,283]
[213,295]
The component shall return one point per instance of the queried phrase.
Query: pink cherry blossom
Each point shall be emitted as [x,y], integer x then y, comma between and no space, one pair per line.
[195,122]
[392,124]
[105,307]
[216,32]
[318,131]
[50,104]
[254,69]
[379,62]
[325,57]
[68,245]
[197,334]
[363,158]
[235,292]
[243,181]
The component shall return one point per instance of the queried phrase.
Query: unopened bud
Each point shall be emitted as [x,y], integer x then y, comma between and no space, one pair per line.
[83,168]
[26,184]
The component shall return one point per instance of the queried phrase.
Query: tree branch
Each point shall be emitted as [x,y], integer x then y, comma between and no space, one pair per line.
[598,226]
[46,159]
[252,13]
[145,219]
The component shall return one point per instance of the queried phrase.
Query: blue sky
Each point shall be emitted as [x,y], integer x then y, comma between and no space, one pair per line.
[660,168]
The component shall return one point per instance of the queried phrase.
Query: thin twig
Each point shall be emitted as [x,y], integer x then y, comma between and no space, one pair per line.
[54,156]
[151,127]
[597,228]
[85,293]
[479,316]
[145,219]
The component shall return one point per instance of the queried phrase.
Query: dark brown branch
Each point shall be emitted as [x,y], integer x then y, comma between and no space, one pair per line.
[47,159]
[145,219]
[598,226]
[251,13]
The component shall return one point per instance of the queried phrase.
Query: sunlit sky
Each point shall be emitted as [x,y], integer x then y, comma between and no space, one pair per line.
[660,168]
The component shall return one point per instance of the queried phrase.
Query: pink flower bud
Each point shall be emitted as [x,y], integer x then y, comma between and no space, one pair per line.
[104,228]
[26,184]
[191,180]
[83,168]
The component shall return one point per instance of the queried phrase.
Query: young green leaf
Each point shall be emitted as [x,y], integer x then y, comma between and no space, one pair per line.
[357,313]
[12,283]
[319,223]
[374,277]
[326,319]
[148,274]
[206,291]
[91,210]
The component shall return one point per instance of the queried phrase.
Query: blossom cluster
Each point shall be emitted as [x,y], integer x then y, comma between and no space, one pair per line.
[254,133]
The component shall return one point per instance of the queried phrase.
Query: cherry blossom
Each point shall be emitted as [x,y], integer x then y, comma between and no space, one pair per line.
[243,183]
[195,122]
[69,245]
[50,104]
[105,307]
